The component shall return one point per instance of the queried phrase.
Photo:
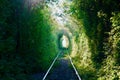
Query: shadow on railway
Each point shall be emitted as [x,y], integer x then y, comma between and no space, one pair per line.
[61,70]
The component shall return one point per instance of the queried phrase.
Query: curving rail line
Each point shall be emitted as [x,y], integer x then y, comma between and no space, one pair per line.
[54,63]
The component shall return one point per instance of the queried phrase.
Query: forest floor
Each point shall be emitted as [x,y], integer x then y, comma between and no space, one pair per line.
[62,71]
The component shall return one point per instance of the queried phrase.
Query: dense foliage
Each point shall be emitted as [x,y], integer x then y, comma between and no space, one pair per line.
[26,42]
[101,24]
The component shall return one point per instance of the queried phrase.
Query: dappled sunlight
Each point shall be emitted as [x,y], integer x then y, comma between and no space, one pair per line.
[57,10]
[39,38]
[78,40]
[75,48]
[64,21]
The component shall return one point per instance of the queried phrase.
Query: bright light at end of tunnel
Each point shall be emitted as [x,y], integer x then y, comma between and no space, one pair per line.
[65,42]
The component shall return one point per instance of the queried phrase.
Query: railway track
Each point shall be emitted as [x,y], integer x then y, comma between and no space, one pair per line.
[51,66]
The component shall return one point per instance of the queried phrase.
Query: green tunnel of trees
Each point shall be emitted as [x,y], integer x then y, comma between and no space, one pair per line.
[26,41]
[27,44]
[101,23]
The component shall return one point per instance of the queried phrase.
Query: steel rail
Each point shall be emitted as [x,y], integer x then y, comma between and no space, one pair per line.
[74,67]
[76,72]
[51,66]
